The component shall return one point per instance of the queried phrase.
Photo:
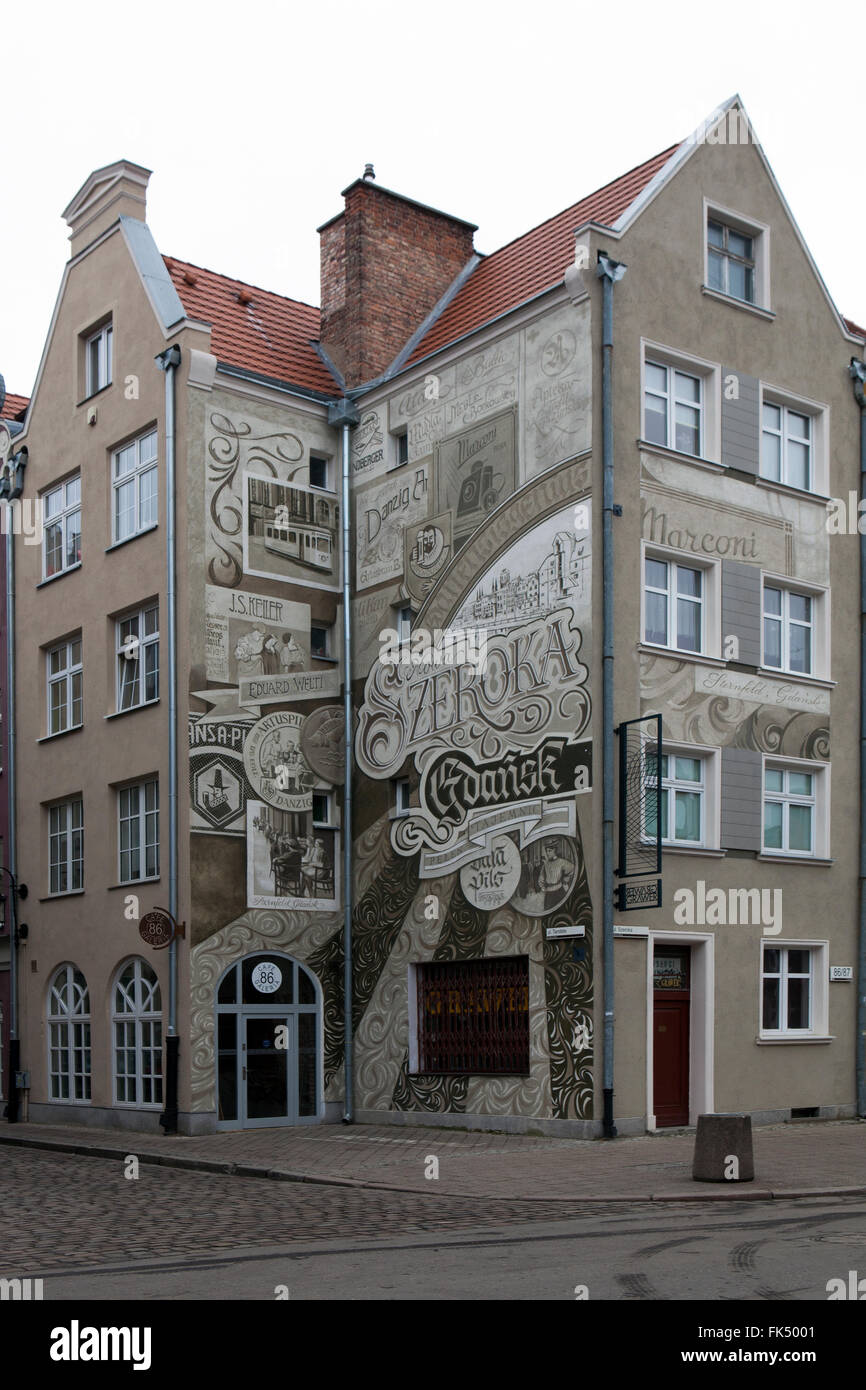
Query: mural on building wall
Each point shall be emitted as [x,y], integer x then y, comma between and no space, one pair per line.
[275,765]
[218,782]
[546,366]
[250,635]
[382,510]
[323,743]
[291,862]
[503,757]
[427,548]
[297,934]
[368,458]
[238,442]
[290,533]
[718,708]
[503,754]
[557,393]
[475,472]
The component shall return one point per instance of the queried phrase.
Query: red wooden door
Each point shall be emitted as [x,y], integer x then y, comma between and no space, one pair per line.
[671,1037]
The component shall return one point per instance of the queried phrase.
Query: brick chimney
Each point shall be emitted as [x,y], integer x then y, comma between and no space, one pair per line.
[385,262]
[118,190]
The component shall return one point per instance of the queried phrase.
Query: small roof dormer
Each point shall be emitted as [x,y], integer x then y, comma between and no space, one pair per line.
[117,190]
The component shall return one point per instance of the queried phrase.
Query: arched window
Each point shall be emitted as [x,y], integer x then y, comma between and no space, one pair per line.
[69,1035]
[137,1017]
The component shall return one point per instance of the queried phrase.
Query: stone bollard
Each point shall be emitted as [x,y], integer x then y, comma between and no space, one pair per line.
[723,1149]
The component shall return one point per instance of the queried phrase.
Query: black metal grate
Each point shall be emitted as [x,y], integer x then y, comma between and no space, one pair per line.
[473,1016]
[640,796]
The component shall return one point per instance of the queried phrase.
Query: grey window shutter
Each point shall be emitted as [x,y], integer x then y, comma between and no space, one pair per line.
[741,609]
[741,799]
[741,426]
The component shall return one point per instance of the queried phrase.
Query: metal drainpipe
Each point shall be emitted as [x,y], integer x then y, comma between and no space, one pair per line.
[349,1108]
[608,271]
[857,372]
[12,852]
[168,362]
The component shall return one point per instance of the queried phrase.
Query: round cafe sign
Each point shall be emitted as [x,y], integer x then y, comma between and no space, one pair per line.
[266,977]
[489,882]
[156,929]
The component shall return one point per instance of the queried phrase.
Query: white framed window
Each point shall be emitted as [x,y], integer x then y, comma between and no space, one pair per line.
[793,985]
[64,676]
[137,1020]
[673,408]
[66,846]
[794,440]
[138,831]
[61,527]
[674,595]
[683,811]
[788,641]
[320,471]
[137,657]
[323,808]
[736,256]
[134,482]
[97,360]
[786,446]
[730,261]
[795,627]
[680,402]
[69,1035]
[796,804]
[400,796]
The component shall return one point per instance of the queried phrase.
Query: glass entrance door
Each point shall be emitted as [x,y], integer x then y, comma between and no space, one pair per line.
[268,1046]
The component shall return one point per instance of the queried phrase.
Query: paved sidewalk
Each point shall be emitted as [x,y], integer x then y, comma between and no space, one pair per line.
[804,1159]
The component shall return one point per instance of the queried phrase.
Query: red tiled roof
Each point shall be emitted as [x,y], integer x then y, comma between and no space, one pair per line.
[14,406]
[535,261]
[854,328]
[258,331]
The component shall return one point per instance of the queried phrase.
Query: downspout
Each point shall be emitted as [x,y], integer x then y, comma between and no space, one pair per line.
[857,372]
[168,362]
[345,413]
[10,490]
[608,271]
[349,1052]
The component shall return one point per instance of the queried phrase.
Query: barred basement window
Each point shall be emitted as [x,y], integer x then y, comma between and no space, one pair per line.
[473,1016]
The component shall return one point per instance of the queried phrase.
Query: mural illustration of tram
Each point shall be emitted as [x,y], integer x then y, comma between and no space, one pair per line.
[309,545]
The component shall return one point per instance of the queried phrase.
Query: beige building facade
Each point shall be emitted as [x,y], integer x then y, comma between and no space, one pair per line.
[475,459]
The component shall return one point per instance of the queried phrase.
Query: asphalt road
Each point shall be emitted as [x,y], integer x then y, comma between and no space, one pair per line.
[89,1232]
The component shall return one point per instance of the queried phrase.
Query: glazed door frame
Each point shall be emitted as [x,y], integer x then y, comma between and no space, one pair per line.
[304,1036]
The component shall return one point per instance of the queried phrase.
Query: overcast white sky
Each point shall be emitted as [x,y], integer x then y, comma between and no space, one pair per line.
[253,116]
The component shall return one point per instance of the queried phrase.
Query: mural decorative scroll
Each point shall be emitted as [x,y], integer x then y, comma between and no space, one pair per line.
[231,445]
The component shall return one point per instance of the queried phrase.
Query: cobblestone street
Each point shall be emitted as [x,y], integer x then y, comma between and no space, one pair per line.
[88,1232]
[70,1210]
